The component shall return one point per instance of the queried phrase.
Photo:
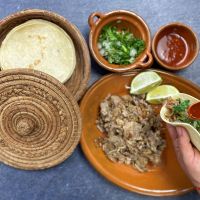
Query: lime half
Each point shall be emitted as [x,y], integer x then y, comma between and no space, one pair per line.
[144,82]
[160,93]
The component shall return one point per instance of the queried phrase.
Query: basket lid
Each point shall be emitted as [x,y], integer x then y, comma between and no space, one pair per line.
[40,123]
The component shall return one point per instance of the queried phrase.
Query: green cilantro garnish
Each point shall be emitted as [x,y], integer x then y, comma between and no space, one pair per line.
[119,47]
[182,106]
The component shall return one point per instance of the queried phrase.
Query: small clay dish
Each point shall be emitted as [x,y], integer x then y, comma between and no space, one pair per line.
[128,20]
[175,46]
[77,83]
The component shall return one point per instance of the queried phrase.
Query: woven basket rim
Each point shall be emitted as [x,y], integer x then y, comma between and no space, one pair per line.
[86,55]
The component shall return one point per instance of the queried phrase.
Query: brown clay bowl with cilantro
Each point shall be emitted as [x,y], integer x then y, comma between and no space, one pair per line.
[120,41]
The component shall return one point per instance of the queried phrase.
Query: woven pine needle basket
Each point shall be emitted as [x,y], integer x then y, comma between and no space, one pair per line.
[40,123]
[77,84]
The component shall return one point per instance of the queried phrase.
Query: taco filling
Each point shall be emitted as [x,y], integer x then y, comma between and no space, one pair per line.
[178,112]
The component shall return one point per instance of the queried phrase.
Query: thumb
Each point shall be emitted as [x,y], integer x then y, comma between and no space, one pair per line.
[185,147]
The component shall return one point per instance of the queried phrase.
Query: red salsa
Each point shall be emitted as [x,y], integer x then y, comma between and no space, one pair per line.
[194,111]
[172,49]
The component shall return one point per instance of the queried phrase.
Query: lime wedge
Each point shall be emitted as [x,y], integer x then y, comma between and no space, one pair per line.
[144,82]
[160,93]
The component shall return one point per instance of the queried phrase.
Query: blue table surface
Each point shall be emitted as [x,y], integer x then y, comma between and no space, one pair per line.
[75,178]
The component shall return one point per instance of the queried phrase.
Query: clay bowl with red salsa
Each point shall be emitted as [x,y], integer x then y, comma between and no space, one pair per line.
[175,46]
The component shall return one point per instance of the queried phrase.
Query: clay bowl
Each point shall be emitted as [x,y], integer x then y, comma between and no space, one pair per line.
[78,82]
[189,39]
[128,20]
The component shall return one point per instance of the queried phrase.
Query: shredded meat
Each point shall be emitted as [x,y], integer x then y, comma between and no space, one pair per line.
[132,131]
[170,103]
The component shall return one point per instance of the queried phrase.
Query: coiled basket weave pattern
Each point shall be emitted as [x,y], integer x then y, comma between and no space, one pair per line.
[40,123]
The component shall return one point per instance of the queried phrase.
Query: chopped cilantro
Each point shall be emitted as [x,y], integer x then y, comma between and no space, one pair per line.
[119,47]
[182,106]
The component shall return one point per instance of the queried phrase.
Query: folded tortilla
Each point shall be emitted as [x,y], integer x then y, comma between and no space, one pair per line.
[193,133]
[41,45]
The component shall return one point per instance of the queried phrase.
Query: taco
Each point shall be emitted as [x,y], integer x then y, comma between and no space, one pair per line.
[174,112]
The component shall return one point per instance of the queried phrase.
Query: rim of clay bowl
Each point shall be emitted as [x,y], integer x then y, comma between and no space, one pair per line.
[145,55]
[187,64]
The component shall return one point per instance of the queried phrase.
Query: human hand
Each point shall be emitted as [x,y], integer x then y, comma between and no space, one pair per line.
[187,155]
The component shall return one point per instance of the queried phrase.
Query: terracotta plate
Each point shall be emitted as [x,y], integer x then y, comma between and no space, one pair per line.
[165,180]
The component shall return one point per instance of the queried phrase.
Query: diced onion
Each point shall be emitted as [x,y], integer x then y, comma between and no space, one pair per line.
[133,52]
[118,43]
[99,45]
[131,59]
[106,44]
[102,52]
